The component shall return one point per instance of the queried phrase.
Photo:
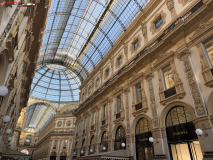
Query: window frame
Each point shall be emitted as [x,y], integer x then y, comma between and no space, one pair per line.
[136,93]
[117,103]
[164,79]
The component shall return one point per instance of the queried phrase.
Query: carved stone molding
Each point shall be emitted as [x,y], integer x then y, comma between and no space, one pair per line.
[153,28]
[156,133]
[171,8]
[199,106]
[184,2]
[203,123]
[144,32]
[203,27]
[153,103]
[135,77]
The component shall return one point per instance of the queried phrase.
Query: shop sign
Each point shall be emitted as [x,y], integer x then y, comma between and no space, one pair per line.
[181,132]
[142,140]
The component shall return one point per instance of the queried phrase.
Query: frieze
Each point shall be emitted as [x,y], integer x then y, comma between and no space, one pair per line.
[162,57]
[184,2]
[117,90]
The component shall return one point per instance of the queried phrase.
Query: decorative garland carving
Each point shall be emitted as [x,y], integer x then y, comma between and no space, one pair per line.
[126,91]
[144,32]
[171,8]
[153,103]
[199,106]
[184,2]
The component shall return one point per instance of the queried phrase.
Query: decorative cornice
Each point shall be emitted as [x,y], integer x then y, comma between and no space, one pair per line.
[135,77]
[117,90]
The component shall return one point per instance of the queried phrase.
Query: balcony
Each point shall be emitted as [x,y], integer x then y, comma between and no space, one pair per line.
[118,115]
[138,106]
[92,127]
[170,92]
[103,122]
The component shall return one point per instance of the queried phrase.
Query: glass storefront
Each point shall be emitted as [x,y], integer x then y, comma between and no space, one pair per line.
[182,139]
[144,149]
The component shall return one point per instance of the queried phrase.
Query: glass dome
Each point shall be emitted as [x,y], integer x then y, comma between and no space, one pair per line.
[55,83]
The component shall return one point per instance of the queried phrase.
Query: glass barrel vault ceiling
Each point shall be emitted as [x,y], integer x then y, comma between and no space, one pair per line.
[80,32]
[55,83]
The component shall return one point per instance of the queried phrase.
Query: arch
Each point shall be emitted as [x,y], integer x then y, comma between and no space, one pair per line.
[210,104]
[116,127]
[170,106]
[137,118]
[4,62]
[42,101]
[100,135]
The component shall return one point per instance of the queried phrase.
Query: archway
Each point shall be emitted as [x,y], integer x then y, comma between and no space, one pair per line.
[104,142]
[144,149]
[4,62]
[120,138]
[53,156]
[83,148]
[181,137]
[92,145]
[63,156]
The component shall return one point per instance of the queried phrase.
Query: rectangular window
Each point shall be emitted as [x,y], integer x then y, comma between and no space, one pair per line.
[93,118]
[55,143]
[158,22]
[136,45]
[119,60]
[138,93]
[85,123]
[168,77]
[209,49]
[78,126]
[118,103]
[104,111]
[65,143]
[16,41]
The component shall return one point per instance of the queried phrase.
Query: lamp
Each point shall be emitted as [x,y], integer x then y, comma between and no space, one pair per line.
[74,153]
[6,119]
[82,152]
[9,138]
[200,132]
[3,91]
[152,140]
[123,144]
[91,150]
[104,148]
[10,143]
[8,131]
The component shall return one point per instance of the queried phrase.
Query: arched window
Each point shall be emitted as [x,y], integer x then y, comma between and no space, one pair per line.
[142,126]
[120,138]
[83,148]
[178,115]
[92,145]
[75,149]
[28,140]
[104,142]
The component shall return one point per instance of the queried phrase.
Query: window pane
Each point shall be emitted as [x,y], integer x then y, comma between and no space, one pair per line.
[158,23]
[138,93]
[136,44]
[168,77]
[209,48]
[118,107]
[104,112]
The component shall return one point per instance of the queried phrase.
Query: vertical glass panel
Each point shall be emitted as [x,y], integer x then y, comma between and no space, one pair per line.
[168,120]
[174,116]
[209,48]
[136,44]
[138,93]
[93,118]
[149,153]
[174,152]
[196,150]
[55,143]
[118,103]
[168,77]
[85,123]
[65,143]
[104,111]
[181,115]
[185,151]
[142,126]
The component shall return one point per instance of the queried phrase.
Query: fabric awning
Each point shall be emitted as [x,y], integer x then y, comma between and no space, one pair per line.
[13,153]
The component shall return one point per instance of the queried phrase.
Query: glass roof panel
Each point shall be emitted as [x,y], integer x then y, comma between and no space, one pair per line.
[85,30]
[53,82]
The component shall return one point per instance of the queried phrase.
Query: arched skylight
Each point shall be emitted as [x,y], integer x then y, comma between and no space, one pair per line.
[55,83]
[79,33]
[37,117]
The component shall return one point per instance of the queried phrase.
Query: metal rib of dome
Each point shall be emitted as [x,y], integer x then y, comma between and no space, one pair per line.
[85,30]
[37,117]
[55,83]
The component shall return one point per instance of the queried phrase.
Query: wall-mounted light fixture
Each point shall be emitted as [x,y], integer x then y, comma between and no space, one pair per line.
[152,140]
[200,132]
